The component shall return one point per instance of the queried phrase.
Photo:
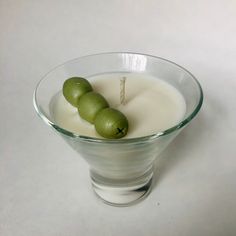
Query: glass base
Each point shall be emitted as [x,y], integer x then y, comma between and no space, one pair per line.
[122,193]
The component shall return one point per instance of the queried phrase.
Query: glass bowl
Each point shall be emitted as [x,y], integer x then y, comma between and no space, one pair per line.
[121,170]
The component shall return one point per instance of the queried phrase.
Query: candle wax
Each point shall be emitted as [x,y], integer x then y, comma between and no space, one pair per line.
[151,105]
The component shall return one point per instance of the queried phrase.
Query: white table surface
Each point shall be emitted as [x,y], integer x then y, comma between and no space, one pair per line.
[44,184]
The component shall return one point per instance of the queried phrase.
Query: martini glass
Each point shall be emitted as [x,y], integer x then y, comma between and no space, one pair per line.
[121,170]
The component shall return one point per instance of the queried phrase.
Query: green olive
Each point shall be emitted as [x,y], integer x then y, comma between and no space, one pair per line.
[111,123]
[74,88]
[90,104]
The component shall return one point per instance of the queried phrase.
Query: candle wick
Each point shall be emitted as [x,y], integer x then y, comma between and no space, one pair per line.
[122,90]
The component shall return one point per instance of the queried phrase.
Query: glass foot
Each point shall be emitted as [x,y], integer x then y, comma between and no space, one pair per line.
[122,193]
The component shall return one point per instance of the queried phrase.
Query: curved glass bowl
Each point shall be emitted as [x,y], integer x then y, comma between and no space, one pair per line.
[121,170]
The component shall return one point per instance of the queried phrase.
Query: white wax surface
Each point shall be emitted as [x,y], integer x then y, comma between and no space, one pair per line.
[151,105]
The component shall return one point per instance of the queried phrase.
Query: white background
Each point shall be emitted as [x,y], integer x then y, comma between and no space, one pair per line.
[44,185]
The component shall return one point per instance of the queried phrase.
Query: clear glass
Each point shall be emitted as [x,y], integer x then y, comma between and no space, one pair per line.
[121,170]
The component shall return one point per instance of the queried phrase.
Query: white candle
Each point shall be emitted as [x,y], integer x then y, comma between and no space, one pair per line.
[151,105]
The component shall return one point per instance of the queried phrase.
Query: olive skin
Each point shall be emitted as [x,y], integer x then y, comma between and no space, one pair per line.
[90,104]
[74,88]
[111,123]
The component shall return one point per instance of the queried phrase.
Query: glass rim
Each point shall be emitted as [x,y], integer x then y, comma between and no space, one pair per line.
[71,134]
